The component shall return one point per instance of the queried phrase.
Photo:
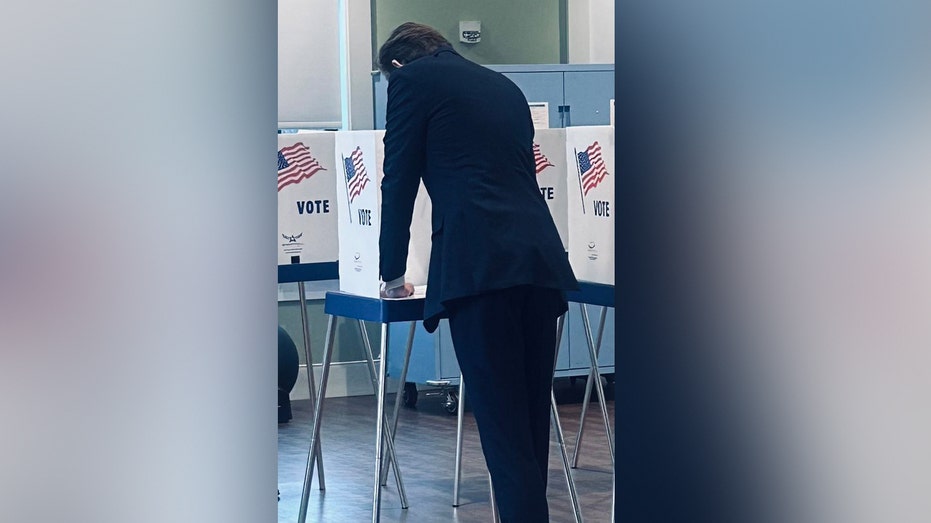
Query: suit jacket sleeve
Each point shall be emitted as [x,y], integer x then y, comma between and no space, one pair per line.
[405,141]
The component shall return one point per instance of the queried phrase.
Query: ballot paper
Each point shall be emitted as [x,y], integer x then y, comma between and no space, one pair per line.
[360,158]
[540,114]
[590,182]
[549,151]
[307,222]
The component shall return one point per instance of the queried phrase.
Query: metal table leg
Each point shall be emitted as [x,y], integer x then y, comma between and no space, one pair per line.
[389,433]
[400,395]
[457,479]
[496,517]
[560,325]
[594,378]
[613,491]
[318,410]
[380,425]
[560,440]
[311,389]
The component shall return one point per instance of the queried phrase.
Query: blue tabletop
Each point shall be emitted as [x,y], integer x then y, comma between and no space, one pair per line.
[593,294]
[299,272]
[373,309]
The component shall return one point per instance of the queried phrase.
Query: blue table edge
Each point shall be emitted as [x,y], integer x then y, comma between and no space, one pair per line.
[373,309]
[592,294]
[299,272]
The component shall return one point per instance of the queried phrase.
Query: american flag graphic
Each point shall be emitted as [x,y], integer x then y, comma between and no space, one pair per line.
[356,177]
[592,167]
[542,161]
[295,164]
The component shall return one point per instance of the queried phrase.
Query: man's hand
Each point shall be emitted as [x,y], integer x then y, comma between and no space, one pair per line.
[398,292]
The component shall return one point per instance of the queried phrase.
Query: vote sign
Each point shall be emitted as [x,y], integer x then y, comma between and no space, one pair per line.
[307,214]
[549,151]
[590,182]
[360,157]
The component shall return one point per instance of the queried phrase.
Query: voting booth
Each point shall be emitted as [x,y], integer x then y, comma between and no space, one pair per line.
[307,228]
[590,153]
[360,155]
[549,152]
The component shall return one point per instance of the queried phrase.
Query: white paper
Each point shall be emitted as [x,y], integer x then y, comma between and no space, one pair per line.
[540,114]
[612,111]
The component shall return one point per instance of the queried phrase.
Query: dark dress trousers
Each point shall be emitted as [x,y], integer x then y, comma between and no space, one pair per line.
[497,269]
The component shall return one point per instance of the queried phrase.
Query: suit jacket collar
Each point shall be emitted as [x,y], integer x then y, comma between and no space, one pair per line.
[445,49]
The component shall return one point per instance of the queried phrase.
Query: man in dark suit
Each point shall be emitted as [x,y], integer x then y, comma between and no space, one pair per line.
[497,269]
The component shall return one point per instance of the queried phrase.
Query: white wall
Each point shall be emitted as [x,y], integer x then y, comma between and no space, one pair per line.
[308,64]
[590,31]
[358,17]
[513,31]
[602,31]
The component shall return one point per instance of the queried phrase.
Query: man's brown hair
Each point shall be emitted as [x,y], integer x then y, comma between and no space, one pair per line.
[409,41]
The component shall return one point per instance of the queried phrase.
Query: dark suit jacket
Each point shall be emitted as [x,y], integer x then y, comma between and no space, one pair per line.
[466,130]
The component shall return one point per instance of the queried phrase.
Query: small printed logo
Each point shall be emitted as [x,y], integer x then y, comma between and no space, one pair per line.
[291,244]
[357,261]
[592,252]
[471,36]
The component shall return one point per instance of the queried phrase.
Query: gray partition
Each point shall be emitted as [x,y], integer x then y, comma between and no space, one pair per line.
[434,358]
[542,86]
[588,95]
[578,354]
[584,89]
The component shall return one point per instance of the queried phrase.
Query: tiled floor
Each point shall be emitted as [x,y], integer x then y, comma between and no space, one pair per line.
[426,444]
